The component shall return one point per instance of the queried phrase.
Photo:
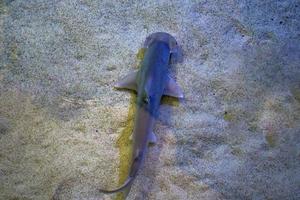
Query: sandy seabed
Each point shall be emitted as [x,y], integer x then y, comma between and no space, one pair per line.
[64,130]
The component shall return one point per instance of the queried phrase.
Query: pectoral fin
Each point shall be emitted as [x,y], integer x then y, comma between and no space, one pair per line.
[128,82]
[152,138]
[172,89]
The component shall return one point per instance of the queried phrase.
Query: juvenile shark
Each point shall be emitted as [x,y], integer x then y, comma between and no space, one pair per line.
[151,82]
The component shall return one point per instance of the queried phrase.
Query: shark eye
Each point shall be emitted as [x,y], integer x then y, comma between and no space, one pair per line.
[173,44]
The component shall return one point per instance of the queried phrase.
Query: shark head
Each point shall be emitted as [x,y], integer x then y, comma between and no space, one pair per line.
[175,50]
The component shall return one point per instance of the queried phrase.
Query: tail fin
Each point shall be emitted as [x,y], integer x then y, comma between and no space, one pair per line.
[133,172]
[119,189]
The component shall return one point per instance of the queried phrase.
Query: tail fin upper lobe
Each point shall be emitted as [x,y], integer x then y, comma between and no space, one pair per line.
[119,189]
[133,172]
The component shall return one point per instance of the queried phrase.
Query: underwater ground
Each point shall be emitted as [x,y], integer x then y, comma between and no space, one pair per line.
[64,129]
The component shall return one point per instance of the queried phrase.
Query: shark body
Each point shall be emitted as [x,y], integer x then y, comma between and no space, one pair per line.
[151,82]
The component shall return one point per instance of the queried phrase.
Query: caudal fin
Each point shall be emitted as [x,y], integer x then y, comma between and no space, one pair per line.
[119,189]
[136,164]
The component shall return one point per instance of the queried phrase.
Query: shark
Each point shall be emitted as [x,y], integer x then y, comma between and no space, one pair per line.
[151,82]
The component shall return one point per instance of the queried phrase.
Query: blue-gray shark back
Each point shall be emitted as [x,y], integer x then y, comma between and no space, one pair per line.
[151,82]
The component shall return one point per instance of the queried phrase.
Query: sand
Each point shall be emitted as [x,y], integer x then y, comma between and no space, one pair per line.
[64,129]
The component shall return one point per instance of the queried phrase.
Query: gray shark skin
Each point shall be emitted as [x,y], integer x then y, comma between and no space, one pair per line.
[151,82]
